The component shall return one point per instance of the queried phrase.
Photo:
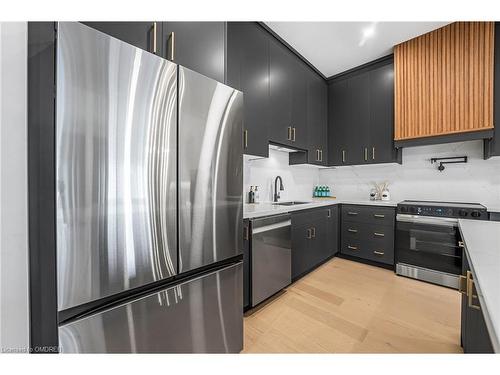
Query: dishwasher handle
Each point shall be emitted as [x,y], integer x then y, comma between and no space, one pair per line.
[267,228]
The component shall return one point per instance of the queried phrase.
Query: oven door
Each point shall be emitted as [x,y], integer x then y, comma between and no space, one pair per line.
[429,242]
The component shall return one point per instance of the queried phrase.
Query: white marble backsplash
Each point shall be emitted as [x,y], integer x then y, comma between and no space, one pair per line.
[298,180]
[477,181]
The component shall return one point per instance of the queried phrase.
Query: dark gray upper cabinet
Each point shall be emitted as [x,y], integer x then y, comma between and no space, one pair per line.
[358,126]
[361,116]
[199,46]
[139,34]
[248,71]
[338,117]
[288,90]
[381,145]
[317,135]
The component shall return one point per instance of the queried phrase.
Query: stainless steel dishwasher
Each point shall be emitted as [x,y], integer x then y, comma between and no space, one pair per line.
[271,256]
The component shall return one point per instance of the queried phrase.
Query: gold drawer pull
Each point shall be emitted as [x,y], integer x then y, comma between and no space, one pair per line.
[378,253]
[352,230]
[352,247]
[379,234]
[462,284]
[470,294]
[379,216]
[352,213]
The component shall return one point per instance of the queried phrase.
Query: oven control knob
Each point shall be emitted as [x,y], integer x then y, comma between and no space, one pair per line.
[413,210]
[462,213]
[403,209]
[475,214]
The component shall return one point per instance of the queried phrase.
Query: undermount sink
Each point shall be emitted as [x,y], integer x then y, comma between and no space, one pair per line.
[292,203]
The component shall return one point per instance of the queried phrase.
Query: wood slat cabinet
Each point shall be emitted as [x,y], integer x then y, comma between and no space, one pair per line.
[361,117]
[368,233]
[248,71]
[314,238]
[444,82]
[474,332]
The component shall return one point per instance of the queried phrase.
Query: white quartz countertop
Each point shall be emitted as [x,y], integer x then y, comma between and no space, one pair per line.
[254,210]
[482,247]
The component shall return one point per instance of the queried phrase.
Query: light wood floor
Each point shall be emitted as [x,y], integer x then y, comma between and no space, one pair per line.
[349,307]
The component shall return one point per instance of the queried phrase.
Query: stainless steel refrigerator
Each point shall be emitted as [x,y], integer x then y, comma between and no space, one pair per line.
[149,201]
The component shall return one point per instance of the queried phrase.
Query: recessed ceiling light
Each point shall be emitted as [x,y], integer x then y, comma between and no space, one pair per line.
[367,33]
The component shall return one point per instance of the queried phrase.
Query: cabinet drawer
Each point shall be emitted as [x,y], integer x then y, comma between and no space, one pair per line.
[379,252]
[368,214]
[353,247]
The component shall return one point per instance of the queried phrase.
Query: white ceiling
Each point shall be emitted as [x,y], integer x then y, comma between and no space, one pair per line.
[334,47]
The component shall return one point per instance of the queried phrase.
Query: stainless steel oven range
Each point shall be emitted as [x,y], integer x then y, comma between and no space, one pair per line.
[428,240]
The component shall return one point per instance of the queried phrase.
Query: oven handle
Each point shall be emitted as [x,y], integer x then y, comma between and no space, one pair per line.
[444,221]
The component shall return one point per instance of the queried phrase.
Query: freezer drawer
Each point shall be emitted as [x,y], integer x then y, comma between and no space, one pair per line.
[204,315]
[210,171]
[115,164]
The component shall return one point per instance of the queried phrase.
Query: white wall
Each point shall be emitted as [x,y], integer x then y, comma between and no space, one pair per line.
[477,181]
[14,312]
[298,181]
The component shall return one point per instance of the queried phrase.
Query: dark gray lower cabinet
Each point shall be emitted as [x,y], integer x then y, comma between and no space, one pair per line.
[368,233]
[314,238]
[246,264]
[475,336]
[199,46]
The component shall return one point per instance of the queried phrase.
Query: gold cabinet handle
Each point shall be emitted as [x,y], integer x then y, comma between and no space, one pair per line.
[379,216]
[154,37]
[378,253]
[366,154]
[352,230]
[171,41]
[246,234]
[470,292]
[373,153]
[329,214]
[289,133]
[352,247]
[461,244]
[352,213]
[313,232]
[245,138]
[317,155]
[293,134]
[309,234]
[321,154]
[379,234]
[343,156]
[462,284]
